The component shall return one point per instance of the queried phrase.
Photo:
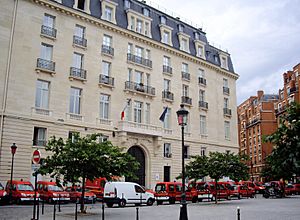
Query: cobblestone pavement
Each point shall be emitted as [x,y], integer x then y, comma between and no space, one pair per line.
[254,209]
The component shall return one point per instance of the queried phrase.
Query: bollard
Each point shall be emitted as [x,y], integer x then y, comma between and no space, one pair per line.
[38,210]
[238,213]
[76,211]
[54,210]
[43,204]
[102,210]
[59,203]
[137,213]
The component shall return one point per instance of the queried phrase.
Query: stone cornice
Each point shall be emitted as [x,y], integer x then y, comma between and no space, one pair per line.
[155,44]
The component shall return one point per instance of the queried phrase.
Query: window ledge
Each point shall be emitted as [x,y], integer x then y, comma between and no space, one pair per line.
[48,36]
[38,70]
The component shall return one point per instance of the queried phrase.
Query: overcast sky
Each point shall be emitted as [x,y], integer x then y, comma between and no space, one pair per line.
[262,36]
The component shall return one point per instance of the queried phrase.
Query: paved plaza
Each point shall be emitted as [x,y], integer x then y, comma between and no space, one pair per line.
[254,209]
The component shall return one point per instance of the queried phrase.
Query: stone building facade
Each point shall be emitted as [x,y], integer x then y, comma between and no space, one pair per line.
[74,65]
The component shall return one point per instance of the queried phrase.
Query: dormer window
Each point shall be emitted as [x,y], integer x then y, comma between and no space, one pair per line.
[146,12]
[163,20]
[83,5]
[126,4]
[223,60]
[180,27]
[108,10]
[80,4]
[197,36]
[216,58]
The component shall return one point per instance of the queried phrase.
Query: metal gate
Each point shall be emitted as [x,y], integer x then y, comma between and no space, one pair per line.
[139,155]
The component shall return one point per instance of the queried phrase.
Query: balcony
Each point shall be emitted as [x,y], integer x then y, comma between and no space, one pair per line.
[167,69]
[202,81]
[186,100]
[73,116]
[226,90]
[41,111]
[139,60]
[106,80]
[227,111]
[167,95]
[79,41]
[185,75]
[280,110]
[76,73]
[107,50]
[45,65]
[48,31]
[292,90]
[167,155]
[203,105]
[139,128]
[252,122]
[139,87]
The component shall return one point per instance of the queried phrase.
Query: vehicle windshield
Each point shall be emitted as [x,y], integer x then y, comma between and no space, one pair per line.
[1,187]
[55,188]
[160,187]
[25,187]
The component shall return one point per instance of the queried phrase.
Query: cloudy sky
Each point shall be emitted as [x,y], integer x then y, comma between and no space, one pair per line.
[262,36]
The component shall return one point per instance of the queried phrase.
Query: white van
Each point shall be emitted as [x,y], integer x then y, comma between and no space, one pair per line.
[123,193]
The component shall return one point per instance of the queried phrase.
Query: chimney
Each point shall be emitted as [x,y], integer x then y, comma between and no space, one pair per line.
[260,93]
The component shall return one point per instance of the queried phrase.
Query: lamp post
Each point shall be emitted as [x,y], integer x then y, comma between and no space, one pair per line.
[13,149]
[182,114]
[251,164]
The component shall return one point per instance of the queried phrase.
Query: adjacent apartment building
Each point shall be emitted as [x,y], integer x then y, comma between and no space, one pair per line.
[72,66]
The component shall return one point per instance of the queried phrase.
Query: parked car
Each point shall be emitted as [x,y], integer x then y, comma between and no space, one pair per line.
[171,192]
[76,192]
[123,193]
[50,192]
[258,187]
[3,194]
[240,191]
[249,184]
[290,189]
[202,190]
[96,186]
[22,191]
[275,189]
[297,188]
[221,191]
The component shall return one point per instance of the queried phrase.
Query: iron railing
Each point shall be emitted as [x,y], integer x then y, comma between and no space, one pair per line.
[167,95]
[203,104]
[107,50]
[185,75]
[78,73]
[79,41]
[45,64]
[140,87]
[227,111]
[186,100]
[106,80]
[49,31]
[139,60]
[202,80]
[167,69]
[226,90]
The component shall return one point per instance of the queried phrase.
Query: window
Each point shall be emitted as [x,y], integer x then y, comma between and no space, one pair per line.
[166,37]
[75,99]
[201,95]
[203,151]
[103,138]
[166,61]
[203,130]
[127,4]
[139,25]
[129,48]
[186,151]
[78,60]
[147,29]
[167,150]
[79,31]
[201,73]
[138,189]
[108,13]
[106,68]
[129,79]
[39,136]
[185,68]
[46,51]
[146,12]
[163,20]
[72,136]
[180,27]
[42,94]
[226,101]
[167,121]
[138,111]
[128,110]
[200,51]
[139,51]
[80,4]
[184,44]
[104,106]
[138,77]
[225,83]
[197,36]
[224,62]
[147,113]
[49,21]
[147,82]
[227,129]
[132,24]
[107,40]
[185,90]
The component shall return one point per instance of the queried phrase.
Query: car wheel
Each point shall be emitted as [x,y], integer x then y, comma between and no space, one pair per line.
[122,203]
[194,199]
[172,200]
[150,202]
[109,204]
[159,202]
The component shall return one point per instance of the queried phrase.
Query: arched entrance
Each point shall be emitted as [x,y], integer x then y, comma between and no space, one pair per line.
[139,155]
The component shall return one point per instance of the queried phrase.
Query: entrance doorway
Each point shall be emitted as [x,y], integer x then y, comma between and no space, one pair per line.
[167,173]
[139,155]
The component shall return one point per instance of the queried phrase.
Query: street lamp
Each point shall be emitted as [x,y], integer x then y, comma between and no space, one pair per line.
[182,114]
[13,149]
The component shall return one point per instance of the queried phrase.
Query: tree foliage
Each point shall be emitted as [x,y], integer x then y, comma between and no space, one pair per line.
[284,161]
[86,158]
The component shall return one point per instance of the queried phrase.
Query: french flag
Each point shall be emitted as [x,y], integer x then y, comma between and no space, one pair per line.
[163,115]
[124,109]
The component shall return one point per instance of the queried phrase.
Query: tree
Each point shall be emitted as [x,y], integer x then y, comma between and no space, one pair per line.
[217,165]
[284,161]
[86,158]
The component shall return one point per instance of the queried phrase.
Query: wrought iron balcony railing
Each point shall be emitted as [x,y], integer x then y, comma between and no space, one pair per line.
[226,90]
[140,87]
[167,95]
[185,75]
[107,50]
[202,81]
[227,111]
[186,100]
[203,104]
[80,41]
[167,69]
[48,31]
[106,80]
[139,60]
[45,64]
[78,73]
